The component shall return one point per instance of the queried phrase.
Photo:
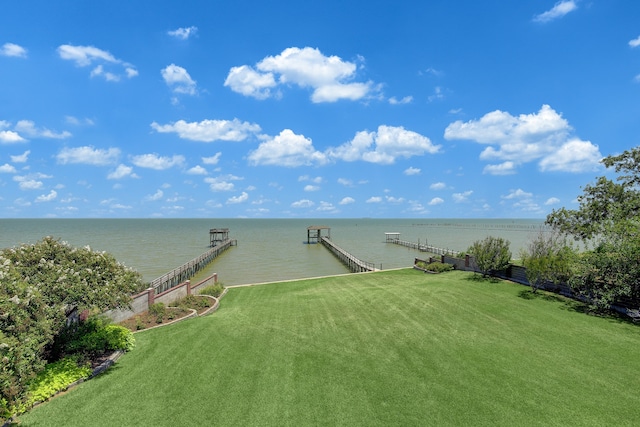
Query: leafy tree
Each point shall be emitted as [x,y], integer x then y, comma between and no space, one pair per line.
[548,258]
[610,272]
[38,284]
[608,222]
[605,203]
[25,330]
[68,276]
[491,254]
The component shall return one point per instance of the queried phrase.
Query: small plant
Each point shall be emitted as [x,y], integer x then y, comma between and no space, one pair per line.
[158,310]
[213,290]
[139,324]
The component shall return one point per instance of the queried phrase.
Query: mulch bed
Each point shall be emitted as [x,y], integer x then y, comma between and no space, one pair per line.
[146,320]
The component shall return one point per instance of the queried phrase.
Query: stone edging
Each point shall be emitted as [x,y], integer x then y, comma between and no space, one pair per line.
[213,308]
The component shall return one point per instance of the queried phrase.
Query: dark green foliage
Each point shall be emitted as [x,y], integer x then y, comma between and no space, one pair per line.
[39,284]
[213,290]
[548,258]
[25,330]
[608,221]
[74,277]
[491,254]
[96,336]
[611,271]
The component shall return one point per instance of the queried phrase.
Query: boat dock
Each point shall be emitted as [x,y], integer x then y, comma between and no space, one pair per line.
[219,241]
[395,239]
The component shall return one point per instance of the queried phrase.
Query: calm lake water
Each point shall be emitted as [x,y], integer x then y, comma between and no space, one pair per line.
[268,249]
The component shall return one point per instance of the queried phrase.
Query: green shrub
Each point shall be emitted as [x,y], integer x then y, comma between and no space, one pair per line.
[439,267]
[55,377]
[213,290]
[192,301]
[421,264]
[158,310]
[97,336]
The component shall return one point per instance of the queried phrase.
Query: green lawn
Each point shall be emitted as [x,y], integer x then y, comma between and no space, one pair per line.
[390,348]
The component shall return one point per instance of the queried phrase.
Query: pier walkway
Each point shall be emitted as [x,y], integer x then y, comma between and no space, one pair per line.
[189,269]
[353,263]
[395,239]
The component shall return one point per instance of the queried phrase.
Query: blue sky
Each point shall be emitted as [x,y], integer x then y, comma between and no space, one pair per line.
[434,109]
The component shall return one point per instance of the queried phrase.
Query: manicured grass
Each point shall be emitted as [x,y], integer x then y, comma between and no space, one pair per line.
[390,348]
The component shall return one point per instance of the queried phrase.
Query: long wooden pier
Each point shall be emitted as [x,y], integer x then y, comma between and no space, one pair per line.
[189,269]
[354,264]
[395,239]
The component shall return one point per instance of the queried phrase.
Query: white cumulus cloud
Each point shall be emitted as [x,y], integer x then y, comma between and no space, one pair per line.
[329,77]
[347,201]
[222,183]
[47,197]
[505,168]
[210,130]
[179,80]
[435,201]
[154,197]
[183,33]
[154,161]
[7,168]
[238,199]
[517,194]
[88,155]
[21,158]
[543,136]
[248,82]
[552,201]
[287,149]
[122,171]
[10,137]
[573,156]
[27,127]
[412,171]
[197,170]
[212,160]
[384,146]
[462,197]
[438,186]
[12,49]
[304,203]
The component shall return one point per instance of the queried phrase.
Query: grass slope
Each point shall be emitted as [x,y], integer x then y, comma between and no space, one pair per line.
[388,348]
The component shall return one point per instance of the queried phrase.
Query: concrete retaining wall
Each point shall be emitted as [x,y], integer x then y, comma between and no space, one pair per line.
[141,302]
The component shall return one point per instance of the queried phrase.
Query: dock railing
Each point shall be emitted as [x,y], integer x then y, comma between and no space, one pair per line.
[189,269]
[355,265]
[424,247]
